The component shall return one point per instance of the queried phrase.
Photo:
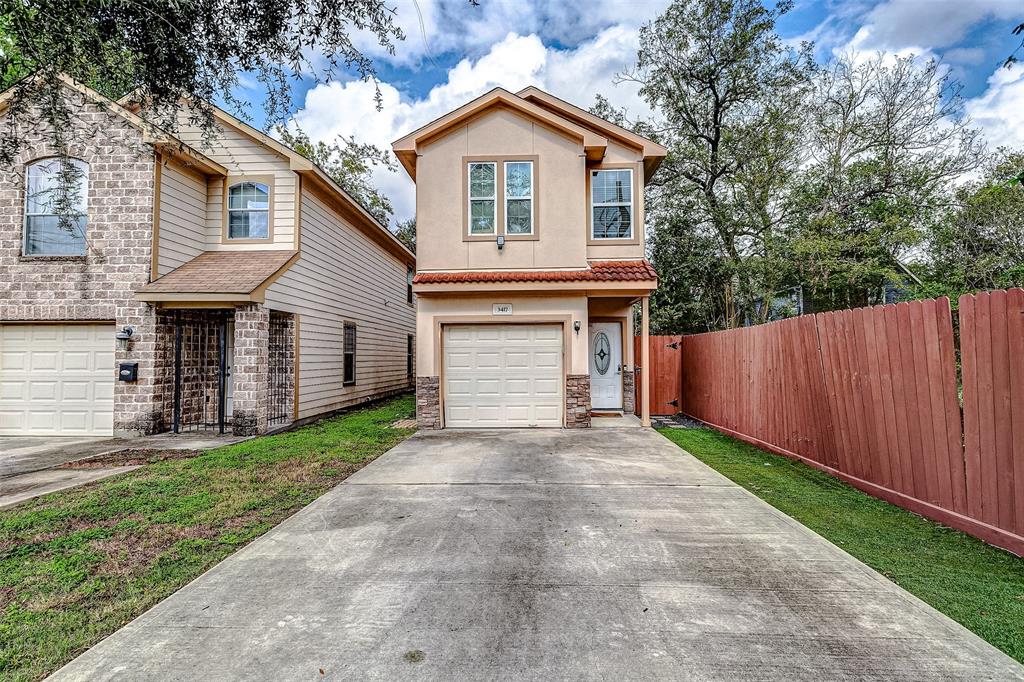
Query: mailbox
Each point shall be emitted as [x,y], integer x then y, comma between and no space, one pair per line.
[129,371]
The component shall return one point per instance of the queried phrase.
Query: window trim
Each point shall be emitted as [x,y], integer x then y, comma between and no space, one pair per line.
[499,160]
[531,197]
[25,214]
[230,182]
[636,224]
[410,355]
[345,352]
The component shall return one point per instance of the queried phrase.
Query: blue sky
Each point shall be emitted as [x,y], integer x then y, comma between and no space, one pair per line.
[574,48]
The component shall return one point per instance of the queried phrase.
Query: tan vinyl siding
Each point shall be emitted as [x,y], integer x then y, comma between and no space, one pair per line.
[182,217]
[343,276]
[242,155]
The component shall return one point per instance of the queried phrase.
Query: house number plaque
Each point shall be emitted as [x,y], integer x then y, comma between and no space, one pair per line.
[501,309]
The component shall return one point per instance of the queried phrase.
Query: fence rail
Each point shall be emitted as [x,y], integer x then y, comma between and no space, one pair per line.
[871,396]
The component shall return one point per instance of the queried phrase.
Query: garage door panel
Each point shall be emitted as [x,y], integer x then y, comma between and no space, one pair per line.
[57,379]
[503,375]
[13,360]
[45,391]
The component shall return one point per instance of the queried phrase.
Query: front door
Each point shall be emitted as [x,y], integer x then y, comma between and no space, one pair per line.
[606,365]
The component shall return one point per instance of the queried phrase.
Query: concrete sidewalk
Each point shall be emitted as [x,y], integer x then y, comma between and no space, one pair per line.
[526,554]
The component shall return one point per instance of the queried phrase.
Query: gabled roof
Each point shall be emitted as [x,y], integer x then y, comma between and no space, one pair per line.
[544,108]
[653,152]
[151,134]
[228,276]
[353,210]
[406,148]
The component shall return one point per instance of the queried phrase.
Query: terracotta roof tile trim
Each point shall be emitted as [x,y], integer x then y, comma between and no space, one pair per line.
[606,271]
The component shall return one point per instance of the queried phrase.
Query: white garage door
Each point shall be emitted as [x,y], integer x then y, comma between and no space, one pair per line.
[503,375]
[56,379]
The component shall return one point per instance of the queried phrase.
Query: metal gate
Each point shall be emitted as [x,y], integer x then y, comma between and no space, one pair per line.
[280,389]
[201,367]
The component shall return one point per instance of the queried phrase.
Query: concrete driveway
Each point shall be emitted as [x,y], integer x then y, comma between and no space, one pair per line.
[608,554]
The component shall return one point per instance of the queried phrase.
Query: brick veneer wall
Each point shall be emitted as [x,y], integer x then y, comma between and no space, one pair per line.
[577,401]
[628,392]
[99,286]
[428,402]
[251,369]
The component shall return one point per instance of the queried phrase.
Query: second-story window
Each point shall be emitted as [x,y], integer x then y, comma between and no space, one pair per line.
[519,197]
[248,211]
[611,204]
[483,204]
[56,206]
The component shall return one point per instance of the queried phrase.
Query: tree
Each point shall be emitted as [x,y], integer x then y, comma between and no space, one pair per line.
[980,243]
[727,92]
[350,164]
[164,52]
[406,233]
[886,139]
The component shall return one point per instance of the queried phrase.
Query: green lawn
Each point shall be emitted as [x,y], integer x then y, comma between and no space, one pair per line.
[971,582]
[76,565]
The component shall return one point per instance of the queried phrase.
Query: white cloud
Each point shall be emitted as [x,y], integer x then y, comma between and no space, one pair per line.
[899,24]
[435,27]
[513,63]
[997,111]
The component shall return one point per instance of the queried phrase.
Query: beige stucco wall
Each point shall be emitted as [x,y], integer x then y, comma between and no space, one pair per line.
[478,309]
[562,201]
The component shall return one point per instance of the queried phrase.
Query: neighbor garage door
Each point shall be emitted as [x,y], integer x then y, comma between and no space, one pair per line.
[503,375]
[56,379]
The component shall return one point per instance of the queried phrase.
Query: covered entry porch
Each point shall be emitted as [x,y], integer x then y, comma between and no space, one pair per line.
[226,361]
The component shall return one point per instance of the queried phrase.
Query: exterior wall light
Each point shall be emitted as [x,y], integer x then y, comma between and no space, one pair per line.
[576,327]
[501,242]
[126,334]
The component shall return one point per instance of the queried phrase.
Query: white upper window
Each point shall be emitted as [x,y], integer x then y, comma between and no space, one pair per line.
[518,197]
[483,204]
[249,211]
[611,204]
[56,207]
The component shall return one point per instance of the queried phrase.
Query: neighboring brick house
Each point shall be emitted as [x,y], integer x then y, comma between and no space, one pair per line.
[257,293]
[530,247]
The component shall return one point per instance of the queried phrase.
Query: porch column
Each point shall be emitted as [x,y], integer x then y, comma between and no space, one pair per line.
[251,369]
[645,358]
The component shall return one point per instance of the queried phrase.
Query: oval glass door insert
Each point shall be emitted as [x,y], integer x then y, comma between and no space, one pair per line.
[602,353]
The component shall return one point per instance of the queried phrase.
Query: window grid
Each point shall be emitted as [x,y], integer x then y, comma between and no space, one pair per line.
[611,200]
[46,231]
[480,197]
[348,377]
[249,211]
[519,197]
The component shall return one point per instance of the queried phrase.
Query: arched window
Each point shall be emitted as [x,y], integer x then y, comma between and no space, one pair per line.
[248,211]
[56,207]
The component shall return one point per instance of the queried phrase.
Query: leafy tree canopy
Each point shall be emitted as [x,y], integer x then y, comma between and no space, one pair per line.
[164,51]
[350,164]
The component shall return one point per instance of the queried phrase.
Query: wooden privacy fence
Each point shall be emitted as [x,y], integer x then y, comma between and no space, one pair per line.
[665,372]
[871,396]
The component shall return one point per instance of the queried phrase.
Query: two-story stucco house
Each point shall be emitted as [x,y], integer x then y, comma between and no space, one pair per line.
[530,247]
[228,285]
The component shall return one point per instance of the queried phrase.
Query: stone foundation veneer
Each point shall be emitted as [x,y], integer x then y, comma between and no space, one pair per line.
[428,402]
[577,401]
[628,392]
